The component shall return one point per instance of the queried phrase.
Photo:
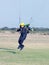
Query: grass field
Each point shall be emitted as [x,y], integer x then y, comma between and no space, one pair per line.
[36,51]
[25,57]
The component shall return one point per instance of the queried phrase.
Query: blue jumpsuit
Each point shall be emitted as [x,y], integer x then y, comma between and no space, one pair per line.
[22,37]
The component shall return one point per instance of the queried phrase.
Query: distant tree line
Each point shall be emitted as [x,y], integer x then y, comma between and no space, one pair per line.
[34,29]
[41,29]
[6,28]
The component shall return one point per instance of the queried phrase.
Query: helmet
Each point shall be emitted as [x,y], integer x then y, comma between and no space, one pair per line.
[21,24]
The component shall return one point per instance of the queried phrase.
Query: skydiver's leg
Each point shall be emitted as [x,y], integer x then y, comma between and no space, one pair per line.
[21,46]
[20,41]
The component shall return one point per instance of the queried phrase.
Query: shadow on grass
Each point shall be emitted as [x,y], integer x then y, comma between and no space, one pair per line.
[8,50]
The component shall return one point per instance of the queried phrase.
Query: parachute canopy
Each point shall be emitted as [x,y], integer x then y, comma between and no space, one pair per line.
[27,25]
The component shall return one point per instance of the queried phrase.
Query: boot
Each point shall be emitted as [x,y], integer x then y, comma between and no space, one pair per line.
[22,46]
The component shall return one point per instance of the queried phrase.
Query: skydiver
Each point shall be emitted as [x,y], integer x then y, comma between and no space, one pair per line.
[23,34]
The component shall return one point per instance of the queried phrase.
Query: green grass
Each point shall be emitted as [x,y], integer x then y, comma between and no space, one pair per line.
[25,57]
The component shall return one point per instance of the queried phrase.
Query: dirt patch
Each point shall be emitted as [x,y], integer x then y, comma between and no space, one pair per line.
[10,40]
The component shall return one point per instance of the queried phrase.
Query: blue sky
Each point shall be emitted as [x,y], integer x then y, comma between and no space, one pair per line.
[35,12]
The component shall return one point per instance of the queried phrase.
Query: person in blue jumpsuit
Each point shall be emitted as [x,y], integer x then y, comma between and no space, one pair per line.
[23,34]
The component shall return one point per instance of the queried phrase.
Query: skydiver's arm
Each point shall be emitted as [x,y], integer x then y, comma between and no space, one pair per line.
[29,28]
[18,30]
